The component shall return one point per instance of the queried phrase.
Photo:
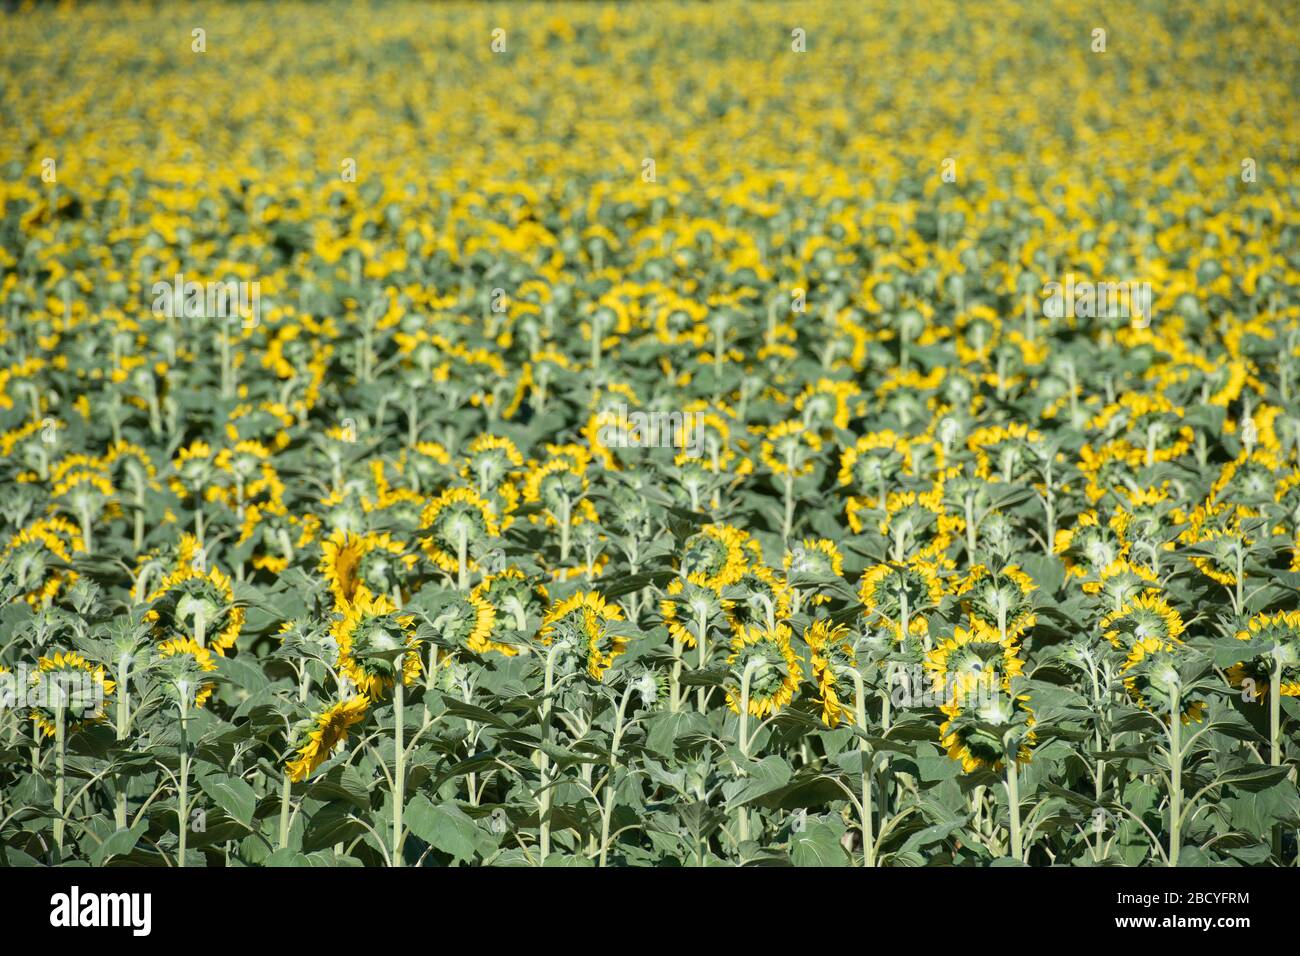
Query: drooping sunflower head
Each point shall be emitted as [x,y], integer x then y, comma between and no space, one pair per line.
[766,656]
[716,556]
[199,604]
[316,738]
[1120,582]
[583,624]
[816,557]
[371,563]
[556,485]
[687,607]
[34,558]
[1145,617]
[490,460]
[874,461]
[789,449]
[370,633]
[67,681]
[454,521]
[832,660]
[1151,675]
[982,735]
[759,597]
[1089,546]
[974,662]
[890,592]
[467,622]
[999,599]
[183,664]
[516,599]
[1279,635]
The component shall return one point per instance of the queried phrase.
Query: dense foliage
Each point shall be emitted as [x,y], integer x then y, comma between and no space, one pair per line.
[649,435]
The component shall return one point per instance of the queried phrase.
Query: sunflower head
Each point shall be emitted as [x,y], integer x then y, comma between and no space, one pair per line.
[765,657]
[316,738]
[1145,617]
[890,592]
[984,733]
[67,681]
[716,556]
[974,662]
[371,636]
[833,659]
[582,624]
[458,518]
[183,663]
[1152,677]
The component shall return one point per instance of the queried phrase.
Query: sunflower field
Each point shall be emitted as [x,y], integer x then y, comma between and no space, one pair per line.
[815,434]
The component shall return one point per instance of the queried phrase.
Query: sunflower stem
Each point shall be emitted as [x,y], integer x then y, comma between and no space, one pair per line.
[60,757]
[544,798]
[1175,777]
[183,791]
[462,561]
[608,811]
[750,667]
[1013,803]
[123,728]
[286,787]
[399,775]
[868,771]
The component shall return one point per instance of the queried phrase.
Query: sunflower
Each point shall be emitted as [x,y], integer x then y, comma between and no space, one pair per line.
[974,661]
[832,655]
[514,598]
[716,556]
[68,680]
[36,557]
[758,597]
[457,516]
[316,737]
[1152,679]
[685,605]
[1121,581]
[999,599]
[1145,617]
[1089,546]
[370,564]
[891,591]
[185,662]
[366,628]
[490,460]
[1003,452]
[789,449]
[201,604]
[773,667]
[583,621]
[981,734]
[468,621]
[1282,631]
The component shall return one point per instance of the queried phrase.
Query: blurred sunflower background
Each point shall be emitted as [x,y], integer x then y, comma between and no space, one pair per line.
[324,537]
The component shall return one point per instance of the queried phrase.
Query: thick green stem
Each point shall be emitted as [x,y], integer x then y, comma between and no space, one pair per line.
[60,781]
[1013,804]
[183,792]
[610,785]
[399,771]
[868,770]
[544,800]
[1175,778]
[286,788]
[123,728]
